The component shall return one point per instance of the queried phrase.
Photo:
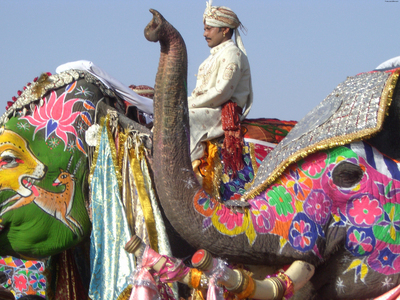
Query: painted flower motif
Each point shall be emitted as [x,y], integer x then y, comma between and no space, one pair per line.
[315,163]
[297,182]
[281,200]
[360,241]
[318,207]
[262,215]
[229,218]
[388,226]
[363,210]
[20,282]
[37,281]
[204,204]
[56,116]
[385,259]
[303,233]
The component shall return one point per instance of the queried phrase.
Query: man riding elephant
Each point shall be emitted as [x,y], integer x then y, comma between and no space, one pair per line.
[223,77]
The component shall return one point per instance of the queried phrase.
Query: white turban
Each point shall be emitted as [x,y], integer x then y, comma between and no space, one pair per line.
[221,16]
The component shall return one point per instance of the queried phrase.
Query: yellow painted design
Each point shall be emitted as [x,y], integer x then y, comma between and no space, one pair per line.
[299,206]
[10,178]
[364,271]
[282,242]
[392,230]
[250,232]
[336,218]
[229,216]
[358,263]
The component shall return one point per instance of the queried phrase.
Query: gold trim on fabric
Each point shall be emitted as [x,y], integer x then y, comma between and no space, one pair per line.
[386,99]
[127,189]
[253,158]
[212,180]
[114,154]
[121,143]
[96,150]
[126,293]
[144,198]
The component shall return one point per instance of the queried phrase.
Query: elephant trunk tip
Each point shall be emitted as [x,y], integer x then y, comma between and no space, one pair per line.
[151,32]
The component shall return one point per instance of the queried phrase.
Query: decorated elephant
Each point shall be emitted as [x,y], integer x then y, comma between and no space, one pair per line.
[326,194]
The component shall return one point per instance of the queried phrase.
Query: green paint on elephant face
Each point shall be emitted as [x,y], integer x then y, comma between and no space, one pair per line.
[43,172]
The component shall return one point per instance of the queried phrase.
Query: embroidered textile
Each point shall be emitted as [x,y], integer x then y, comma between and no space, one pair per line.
[267,130]
[220,184]
[24,277]
[110,263]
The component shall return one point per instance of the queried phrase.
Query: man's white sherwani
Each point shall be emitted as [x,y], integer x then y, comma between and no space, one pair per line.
[224,75]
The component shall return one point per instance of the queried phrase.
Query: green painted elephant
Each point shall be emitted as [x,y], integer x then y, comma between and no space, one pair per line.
[327,194]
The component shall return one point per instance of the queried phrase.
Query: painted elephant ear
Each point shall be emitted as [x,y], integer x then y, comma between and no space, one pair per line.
[346,174]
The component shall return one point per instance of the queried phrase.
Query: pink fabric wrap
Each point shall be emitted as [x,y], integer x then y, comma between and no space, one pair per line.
[393,294]
[214,292]
[217,272]
[144,285]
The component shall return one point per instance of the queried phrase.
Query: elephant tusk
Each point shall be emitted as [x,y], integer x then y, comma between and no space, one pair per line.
[137,248]
[235,281]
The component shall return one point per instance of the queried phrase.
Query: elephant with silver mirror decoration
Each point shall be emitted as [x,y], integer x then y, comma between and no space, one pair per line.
[327,195]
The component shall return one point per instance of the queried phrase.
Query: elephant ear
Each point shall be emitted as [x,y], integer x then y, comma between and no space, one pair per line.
[346,174]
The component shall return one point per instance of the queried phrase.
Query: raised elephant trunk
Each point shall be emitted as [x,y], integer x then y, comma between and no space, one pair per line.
[171,127]
[174,177]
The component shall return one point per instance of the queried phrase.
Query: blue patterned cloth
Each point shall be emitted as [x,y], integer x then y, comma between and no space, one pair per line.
[110,264]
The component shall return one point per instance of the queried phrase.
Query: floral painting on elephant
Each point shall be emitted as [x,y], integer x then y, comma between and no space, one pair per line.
[24,277]
[304,204]
[43,164]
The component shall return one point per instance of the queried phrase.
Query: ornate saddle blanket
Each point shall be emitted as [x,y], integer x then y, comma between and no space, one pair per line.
[260,137]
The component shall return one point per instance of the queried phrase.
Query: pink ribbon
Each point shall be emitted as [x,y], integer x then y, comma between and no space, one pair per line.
[218,272]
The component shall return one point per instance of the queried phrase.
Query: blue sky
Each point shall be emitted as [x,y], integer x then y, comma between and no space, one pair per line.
[299,50]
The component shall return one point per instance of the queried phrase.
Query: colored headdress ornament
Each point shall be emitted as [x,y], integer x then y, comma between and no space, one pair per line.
[221,16]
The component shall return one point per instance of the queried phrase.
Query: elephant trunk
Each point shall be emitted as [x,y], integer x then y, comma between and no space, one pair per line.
[175,180]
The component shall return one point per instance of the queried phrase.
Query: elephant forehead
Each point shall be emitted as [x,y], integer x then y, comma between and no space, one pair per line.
[11,138]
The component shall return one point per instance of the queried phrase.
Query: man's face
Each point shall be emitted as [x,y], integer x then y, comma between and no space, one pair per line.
[214,35]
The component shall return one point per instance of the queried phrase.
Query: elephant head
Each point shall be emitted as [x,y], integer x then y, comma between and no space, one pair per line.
[325,194]
[44,166]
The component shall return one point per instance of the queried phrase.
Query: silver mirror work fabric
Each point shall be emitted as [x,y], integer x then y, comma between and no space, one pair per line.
[353,110]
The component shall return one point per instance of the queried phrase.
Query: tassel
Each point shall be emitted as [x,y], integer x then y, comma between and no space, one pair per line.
[233,142]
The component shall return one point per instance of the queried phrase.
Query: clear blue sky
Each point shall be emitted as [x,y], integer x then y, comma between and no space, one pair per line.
[299,50]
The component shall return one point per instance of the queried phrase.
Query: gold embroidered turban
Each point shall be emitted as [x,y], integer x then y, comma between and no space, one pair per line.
[221,16]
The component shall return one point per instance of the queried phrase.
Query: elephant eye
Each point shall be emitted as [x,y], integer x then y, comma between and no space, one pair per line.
[8,160]
[346,174]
